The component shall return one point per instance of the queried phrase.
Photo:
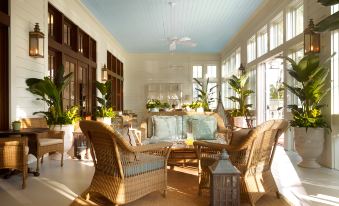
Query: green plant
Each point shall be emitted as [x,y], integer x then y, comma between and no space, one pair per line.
[50,92]
[105,109]
[204,94]
[276,92]
[196,104]
[331,22]
[311,90]
[153,103]
[165,105]
[239,85]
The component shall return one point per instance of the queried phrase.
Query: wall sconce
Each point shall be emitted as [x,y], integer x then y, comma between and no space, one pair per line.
[36,42]
[311,39]
[241,69]
[104,73]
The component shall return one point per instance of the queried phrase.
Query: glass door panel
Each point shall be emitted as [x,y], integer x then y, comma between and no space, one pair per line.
[69,92]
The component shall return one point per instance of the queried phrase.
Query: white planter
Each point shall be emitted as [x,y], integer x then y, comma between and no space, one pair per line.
[188,109]
[68,139]
[309,145]
[166,109]
[240,122]
[200,109]
[154,109]
[105,120]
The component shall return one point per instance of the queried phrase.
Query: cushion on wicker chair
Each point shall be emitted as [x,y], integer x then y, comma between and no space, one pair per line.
[144,163]
[240,135]
[49,141]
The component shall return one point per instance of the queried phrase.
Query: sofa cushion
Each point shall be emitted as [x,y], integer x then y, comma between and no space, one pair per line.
[127,135]
[204,128]
[144,163]
[49,141]
[165,127]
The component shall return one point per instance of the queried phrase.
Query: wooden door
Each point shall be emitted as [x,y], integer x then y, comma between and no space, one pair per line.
[69,94]
[4,74]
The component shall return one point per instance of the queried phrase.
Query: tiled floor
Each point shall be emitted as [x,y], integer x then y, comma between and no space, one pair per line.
[59,186]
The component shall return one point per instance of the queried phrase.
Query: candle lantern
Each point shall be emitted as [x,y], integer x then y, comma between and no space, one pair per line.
[104,73]
[311,39]
[36,42]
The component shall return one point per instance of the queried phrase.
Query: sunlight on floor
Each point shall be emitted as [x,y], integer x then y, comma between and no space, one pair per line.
[59,188]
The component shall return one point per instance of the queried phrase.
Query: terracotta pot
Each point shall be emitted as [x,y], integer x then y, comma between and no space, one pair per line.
[309,145]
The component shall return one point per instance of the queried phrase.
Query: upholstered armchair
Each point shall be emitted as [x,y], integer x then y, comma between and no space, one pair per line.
[43,143]
[13,155]
[252,155]
[124,173]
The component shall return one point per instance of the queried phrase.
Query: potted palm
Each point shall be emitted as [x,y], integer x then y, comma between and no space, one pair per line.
[104,112]
[50,91]
[308,121]
[204,95]
[240,114]
[165,106]
[153,105]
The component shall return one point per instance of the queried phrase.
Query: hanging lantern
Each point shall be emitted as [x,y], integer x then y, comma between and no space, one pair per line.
[241,69]
[104,73]
[36,42]
[311,39]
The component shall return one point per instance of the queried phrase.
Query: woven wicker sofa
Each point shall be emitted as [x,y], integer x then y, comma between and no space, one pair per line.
[147,125]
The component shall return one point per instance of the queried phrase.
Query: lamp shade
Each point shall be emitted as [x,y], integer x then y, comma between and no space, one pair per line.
[311,39]
[104,73]
[36,42]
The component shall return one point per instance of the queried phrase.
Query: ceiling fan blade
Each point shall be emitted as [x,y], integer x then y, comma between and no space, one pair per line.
[186,38]
[187,43]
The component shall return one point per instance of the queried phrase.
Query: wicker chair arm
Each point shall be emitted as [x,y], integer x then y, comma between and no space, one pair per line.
[152,147]
[216,146]
[56,134]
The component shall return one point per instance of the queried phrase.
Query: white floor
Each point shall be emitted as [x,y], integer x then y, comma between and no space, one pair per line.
[58,186]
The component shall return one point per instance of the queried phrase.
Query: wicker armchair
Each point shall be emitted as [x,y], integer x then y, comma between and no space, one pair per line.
[253,157]
[124,173]
[13,155]
[43,143]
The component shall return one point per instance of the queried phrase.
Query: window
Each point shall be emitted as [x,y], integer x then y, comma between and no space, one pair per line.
[117,68]
[197,71]
[262,41]
[295,21]
[211,71]
[335,65]
[276,31]
[214,94]
[251,49]
[230,67]
[67,34]
[252,85]
[202,73]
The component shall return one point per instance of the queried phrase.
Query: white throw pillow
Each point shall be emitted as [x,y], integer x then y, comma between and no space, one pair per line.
[165,127]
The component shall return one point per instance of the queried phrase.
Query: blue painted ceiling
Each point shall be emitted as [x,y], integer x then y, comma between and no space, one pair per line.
[144,25]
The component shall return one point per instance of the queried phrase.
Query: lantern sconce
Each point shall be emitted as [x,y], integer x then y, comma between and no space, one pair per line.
[104,73]
[241,69]
[36,42]
[311,39]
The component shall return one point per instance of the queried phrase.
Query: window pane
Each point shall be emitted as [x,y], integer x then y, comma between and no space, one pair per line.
[335,65]
[212,71]
[295,21]
[251,49]
[195,92]
[252,85]
[213,94]
[197,71]
[276,31]
[291,98]
[262,41]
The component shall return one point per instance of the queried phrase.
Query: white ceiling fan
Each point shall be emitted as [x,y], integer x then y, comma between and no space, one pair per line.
[185,41]
[172,39]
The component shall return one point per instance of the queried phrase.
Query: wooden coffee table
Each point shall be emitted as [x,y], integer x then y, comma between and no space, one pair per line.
[181,152]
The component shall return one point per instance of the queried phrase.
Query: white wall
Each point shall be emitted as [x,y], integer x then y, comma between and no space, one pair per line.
[24,14]
[154,68]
